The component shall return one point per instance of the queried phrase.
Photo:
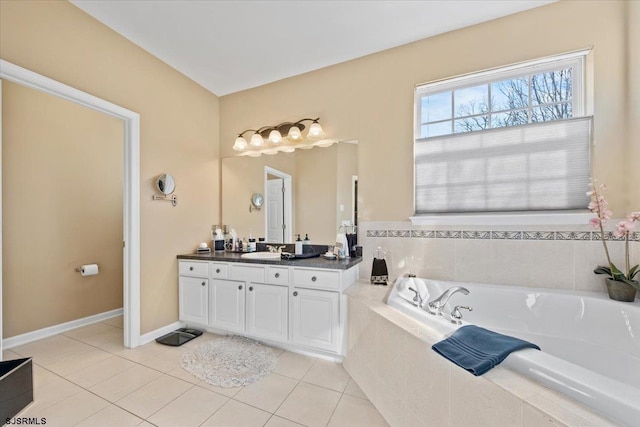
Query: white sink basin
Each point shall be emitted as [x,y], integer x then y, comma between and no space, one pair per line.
[261,255]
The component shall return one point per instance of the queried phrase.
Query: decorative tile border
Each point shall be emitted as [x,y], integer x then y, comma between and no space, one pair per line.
[501,235]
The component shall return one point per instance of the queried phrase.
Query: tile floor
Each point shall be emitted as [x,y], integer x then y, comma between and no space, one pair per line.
[85,377]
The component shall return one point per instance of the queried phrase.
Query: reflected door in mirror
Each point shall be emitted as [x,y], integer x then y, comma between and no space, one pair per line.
[275,211]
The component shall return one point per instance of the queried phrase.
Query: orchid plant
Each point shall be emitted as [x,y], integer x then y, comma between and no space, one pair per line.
[600,207]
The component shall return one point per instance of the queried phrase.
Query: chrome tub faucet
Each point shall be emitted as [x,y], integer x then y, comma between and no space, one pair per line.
[436,306]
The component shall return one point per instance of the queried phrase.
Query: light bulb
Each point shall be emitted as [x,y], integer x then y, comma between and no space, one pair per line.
[294,134]
[256,140]
[275,137]
[240,144]
[315,131]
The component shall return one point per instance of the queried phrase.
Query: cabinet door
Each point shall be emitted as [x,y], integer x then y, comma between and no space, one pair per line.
[267,311]
[316,317]
[193,295]
[227,304]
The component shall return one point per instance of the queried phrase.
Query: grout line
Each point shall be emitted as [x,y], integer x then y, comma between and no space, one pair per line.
[335,408]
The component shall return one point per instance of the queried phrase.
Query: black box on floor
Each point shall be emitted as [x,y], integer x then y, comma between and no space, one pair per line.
[16,387]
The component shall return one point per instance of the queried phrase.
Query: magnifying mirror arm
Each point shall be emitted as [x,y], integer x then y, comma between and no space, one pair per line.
[172,198]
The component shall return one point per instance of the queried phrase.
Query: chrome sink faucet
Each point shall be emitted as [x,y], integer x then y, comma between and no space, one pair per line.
[435,307]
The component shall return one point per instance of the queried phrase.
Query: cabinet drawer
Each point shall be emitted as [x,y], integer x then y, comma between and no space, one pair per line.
[193,269]
[247,273]
[278,276]
[219,271]
[324,279]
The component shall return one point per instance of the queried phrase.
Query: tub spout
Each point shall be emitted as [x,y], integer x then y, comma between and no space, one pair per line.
[435,307]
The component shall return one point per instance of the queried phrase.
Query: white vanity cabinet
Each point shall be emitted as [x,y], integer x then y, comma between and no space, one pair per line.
[268,311]
[227,302]
[316,318]
[298,308]
[193,291]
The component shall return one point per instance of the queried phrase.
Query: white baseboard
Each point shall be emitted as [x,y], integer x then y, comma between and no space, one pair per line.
[150,336]
[39,334]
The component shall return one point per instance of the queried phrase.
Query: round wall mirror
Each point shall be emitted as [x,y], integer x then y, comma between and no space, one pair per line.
[257,199]
[166,184]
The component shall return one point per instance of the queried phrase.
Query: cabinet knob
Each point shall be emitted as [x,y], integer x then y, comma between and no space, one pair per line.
[240,287]
[277,275]
[203,283]
[295,294]
[313,279]
[250,288]
[217,270]
[190,268]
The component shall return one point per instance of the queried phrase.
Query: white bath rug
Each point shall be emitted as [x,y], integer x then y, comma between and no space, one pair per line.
[230,361]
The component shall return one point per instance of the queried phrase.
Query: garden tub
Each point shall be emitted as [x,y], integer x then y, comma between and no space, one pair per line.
[590,345]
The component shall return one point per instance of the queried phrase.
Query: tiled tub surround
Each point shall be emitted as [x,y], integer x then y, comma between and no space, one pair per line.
[389,356]
[557,257]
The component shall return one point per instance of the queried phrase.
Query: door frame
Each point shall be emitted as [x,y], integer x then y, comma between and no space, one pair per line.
[131,185]
[288,202]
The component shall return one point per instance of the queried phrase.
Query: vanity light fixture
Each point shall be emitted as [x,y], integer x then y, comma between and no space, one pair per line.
[292,130]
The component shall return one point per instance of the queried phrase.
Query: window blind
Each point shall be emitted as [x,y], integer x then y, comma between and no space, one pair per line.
[535,167]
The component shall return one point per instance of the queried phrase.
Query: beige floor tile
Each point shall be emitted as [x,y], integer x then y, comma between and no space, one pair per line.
[294,365]
[276,421]
[328,375]
[354,390]
[111,341]
[67,365]
[268,393]
[10,355]
[117,321]
[41,376]
[165,361]
[237,414]
[53,391]
[144,352]
[226,391]
[150,398]
[180,373]
[353,412]
[309,405]
[145,424]
[111,416]
[73,409]
[89,331]
[51,348]
[190,409]
[120,385]
[103,370]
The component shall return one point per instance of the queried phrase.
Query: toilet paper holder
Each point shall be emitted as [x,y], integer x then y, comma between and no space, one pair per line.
[79,269]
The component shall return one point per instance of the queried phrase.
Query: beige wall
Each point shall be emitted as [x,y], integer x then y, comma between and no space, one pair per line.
[371,98]
[62,208]
[179,129]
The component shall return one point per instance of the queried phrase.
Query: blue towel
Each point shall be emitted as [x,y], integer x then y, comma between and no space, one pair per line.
[477,349]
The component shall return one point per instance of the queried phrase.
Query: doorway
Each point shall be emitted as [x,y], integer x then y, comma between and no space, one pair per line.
[278,202]
[131,186]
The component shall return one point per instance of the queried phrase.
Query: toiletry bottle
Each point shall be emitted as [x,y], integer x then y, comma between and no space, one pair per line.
[298,245]
[252,244]
[306,240]
[245,245]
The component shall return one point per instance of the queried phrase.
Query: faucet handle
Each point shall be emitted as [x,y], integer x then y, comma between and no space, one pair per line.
[417,299]
[456,315]
[281,248]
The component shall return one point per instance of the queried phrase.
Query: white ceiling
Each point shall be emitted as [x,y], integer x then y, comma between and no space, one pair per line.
[229,46]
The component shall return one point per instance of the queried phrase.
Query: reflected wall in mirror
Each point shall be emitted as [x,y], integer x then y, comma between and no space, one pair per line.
[319,193]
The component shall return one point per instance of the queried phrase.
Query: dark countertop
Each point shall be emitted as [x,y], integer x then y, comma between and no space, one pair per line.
[318,262]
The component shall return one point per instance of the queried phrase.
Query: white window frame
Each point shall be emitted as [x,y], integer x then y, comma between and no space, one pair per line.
[576,60]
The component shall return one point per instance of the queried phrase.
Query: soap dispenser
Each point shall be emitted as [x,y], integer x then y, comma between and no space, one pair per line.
[306,240]
[298,250]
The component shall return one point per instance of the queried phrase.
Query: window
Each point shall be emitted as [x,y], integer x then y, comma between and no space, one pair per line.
[504,140]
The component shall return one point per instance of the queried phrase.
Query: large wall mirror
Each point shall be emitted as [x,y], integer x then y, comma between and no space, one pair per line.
[311,191]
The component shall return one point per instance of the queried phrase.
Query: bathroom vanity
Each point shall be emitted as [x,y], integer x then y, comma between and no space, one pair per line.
[295,304]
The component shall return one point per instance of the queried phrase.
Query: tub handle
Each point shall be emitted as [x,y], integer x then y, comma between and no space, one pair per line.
[456,315]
